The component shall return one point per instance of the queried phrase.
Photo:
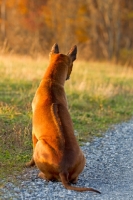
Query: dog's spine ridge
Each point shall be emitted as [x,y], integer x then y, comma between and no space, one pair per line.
[64,179]
[56,118]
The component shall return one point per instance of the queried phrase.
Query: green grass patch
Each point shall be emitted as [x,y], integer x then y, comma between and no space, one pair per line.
[99,95]
[93,116]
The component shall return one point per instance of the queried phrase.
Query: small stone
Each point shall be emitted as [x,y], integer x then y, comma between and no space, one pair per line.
[87,143]
[16,190]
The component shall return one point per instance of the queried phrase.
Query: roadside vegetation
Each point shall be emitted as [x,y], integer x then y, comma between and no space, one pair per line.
[99,96]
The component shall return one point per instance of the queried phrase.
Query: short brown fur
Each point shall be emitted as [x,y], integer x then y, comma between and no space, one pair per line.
[55,149]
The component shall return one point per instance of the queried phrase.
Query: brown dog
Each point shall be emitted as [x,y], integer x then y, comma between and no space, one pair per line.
[55,149]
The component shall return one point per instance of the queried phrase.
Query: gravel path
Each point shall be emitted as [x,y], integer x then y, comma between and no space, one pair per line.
[109,168]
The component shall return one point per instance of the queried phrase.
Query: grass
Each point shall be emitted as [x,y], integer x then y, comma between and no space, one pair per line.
[99,95]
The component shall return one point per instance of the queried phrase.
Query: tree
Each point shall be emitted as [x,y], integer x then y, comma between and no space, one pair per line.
[3,18]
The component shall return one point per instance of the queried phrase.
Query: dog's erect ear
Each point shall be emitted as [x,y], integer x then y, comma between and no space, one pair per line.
[72,53]
[55,49]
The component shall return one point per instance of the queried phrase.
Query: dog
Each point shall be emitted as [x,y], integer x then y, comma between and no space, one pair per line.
[55,149]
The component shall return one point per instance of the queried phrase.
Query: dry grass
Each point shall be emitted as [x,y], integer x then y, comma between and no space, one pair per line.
[100,79]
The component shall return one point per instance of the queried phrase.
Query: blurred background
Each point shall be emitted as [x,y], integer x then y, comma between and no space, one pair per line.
[102,29]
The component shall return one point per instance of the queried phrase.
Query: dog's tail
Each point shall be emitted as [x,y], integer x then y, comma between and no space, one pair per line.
[65,182]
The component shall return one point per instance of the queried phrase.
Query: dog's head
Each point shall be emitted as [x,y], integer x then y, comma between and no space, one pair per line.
[69,58]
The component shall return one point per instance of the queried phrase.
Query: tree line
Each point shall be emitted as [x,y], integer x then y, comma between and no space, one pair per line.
[102,29]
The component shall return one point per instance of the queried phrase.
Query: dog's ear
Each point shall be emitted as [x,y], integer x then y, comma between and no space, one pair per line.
[55,49]
[72,53]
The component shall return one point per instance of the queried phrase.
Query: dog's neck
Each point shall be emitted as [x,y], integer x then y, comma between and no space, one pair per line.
[52,82]
[57,69]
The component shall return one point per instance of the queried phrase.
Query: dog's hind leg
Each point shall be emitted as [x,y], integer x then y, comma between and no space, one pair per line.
[32,162]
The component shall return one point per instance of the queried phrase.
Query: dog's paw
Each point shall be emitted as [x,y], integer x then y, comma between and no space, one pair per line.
[42,176]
